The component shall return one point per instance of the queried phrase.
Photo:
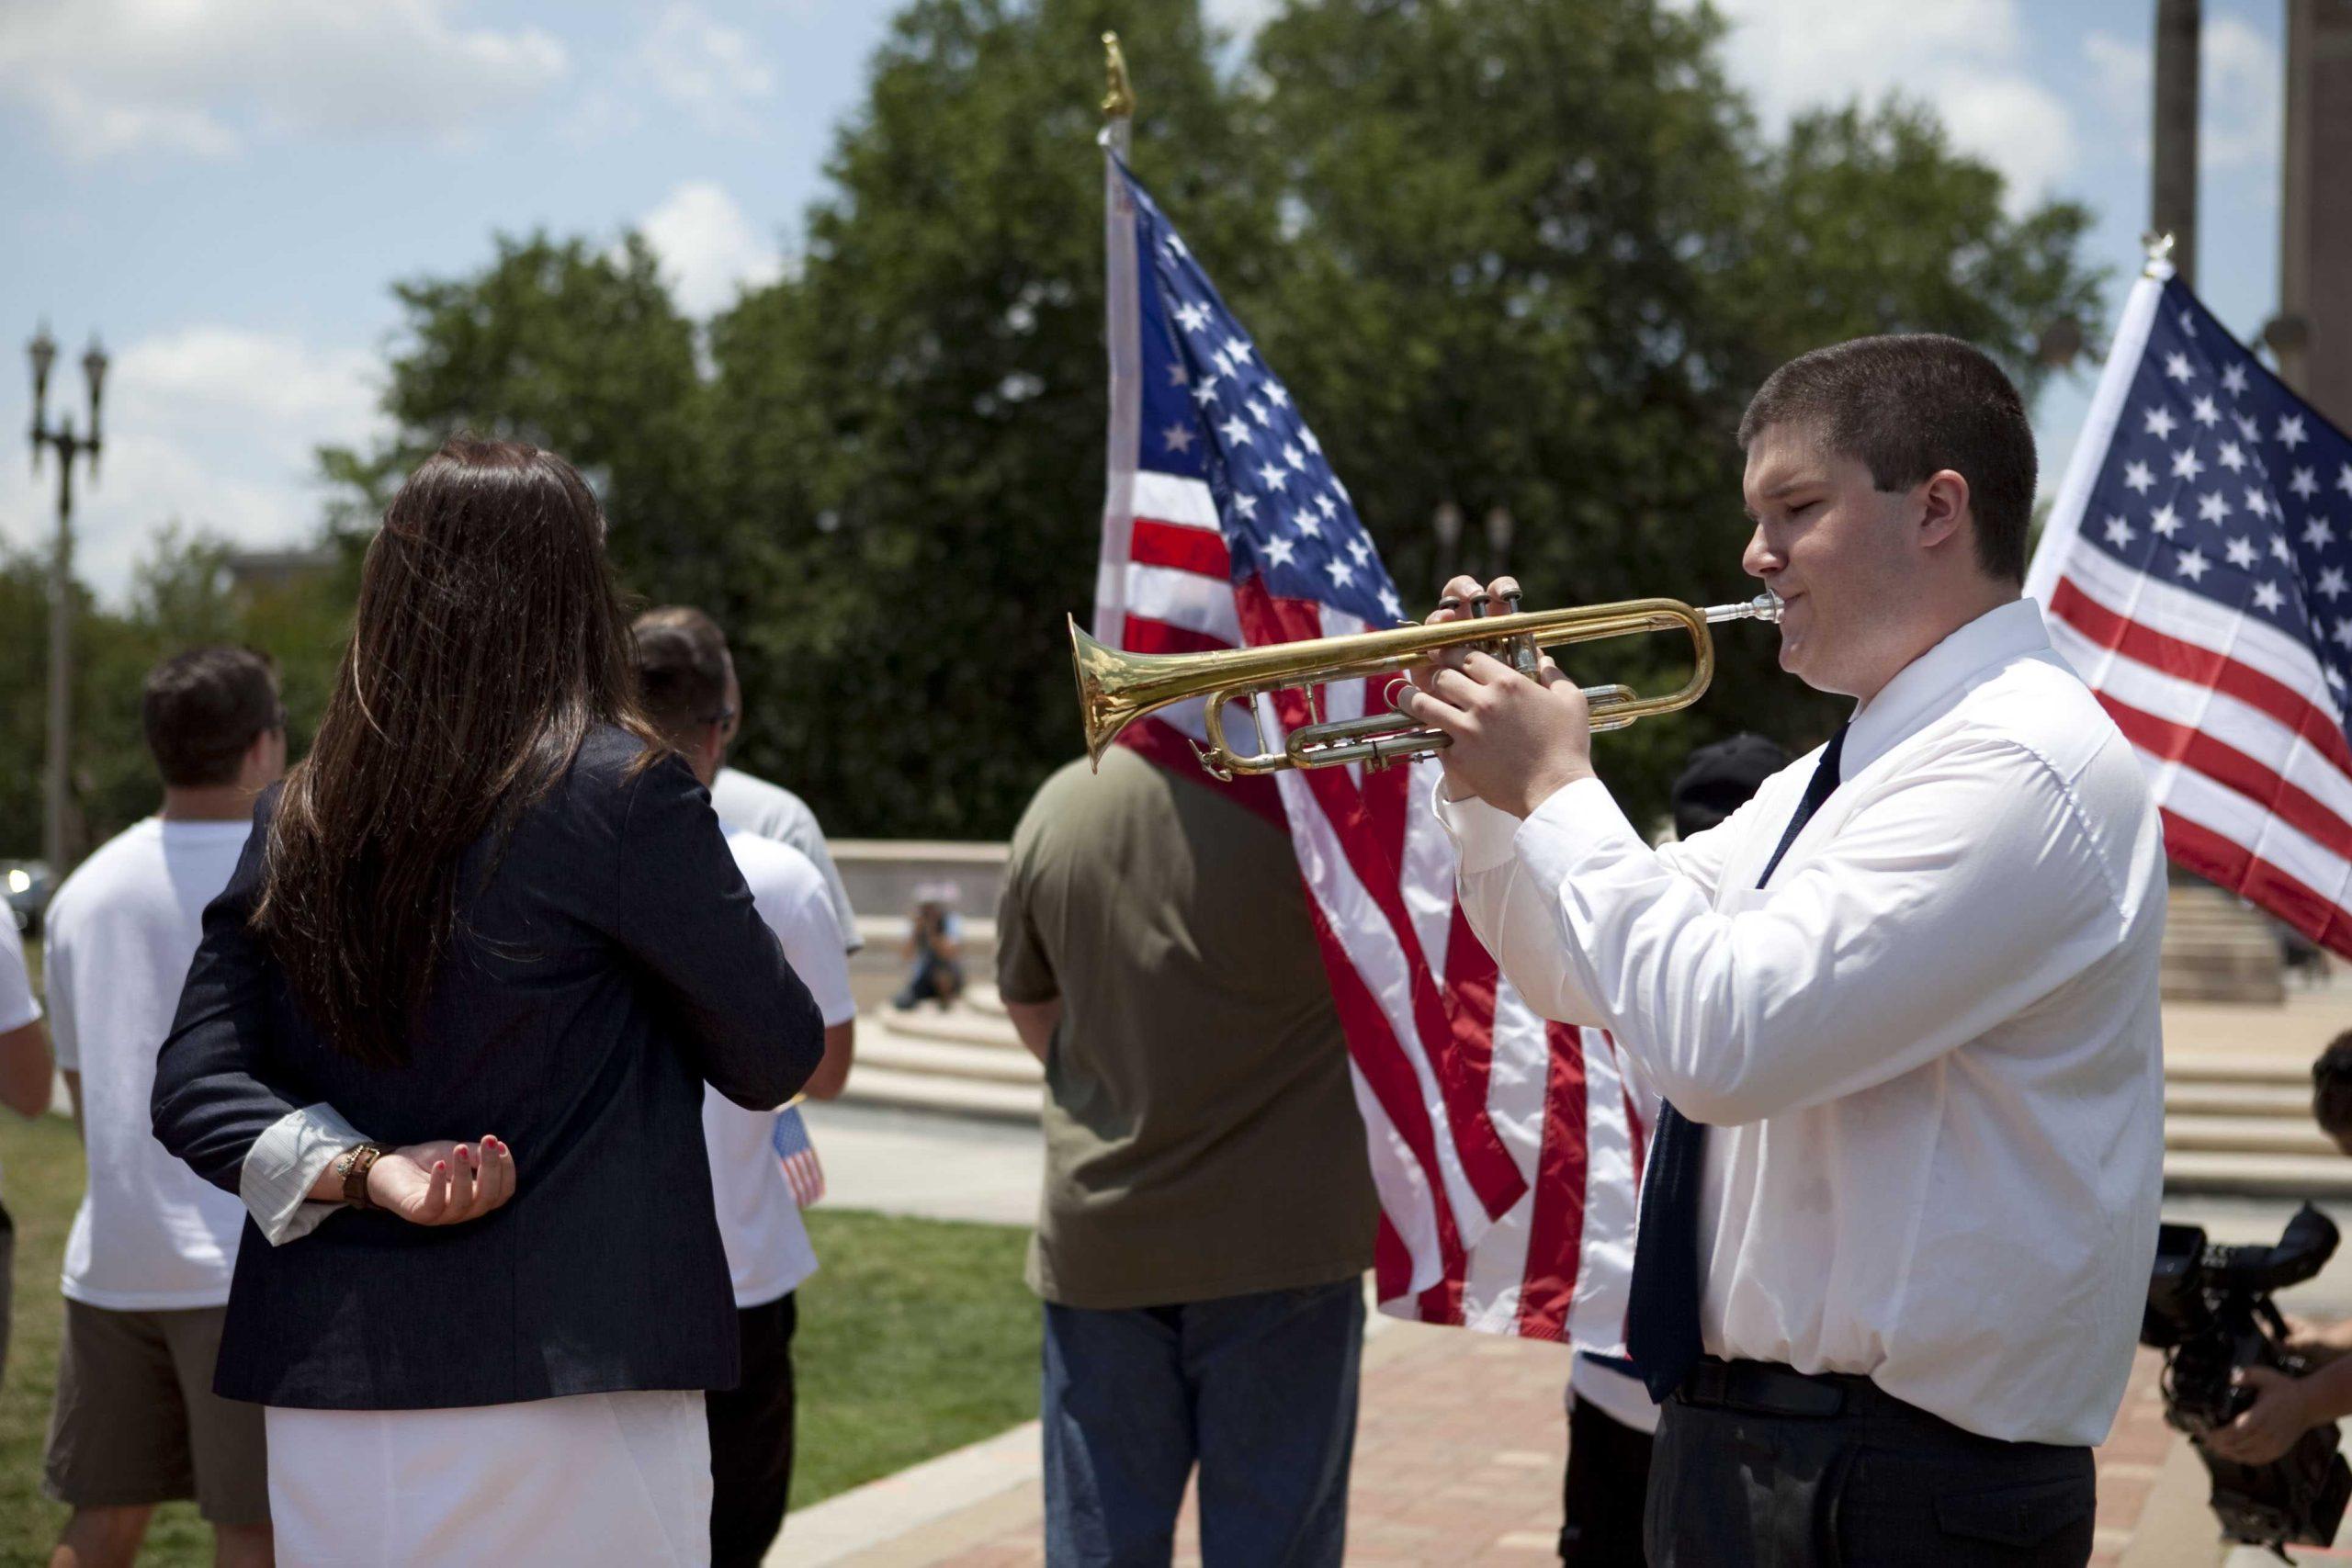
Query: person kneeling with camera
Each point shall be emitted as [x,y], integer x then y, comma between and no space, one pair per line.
[2285,1406]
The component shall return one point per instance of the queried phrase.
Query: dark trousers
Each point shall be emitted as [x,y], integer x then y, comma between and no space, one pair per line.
[1756,1464]
[1259,1391]
[1602,1496]
[750,1440]
[934,979]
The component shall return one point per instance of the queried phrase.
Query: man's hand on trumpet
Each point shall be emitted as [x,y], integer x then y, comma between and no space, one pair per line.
[1515,740]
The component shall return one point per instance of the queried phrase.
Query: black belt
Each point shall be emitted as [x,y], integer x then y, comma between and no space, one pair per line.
[1768,1388]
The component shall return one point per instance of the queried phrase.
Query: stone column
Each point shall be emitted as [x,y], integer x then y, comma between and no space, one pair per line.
[2172,197]
[2312,335]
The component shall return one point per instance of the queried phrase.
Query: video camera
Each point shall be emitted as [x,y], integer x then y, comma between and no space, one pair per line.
[2209,1312]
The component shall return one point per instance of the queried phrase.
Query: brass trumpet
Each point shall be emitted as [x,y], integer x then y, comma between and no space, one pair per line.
[1116,688]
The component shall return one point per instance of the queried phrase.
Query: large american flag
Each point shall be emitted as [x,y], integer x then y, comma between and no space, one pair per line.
[1506,1150]
[2197,570]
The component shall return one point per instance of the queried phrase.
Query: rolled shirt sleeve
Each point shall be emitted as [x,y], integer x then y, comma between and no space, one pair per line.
[285,1163]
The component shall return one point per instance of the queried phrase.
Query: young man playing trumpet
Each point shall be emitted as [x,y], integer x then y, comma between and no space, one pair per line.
[1898,1213]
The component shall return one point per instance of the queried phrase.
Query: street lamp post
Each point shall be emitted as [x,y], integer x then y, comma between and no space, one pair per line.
[69,448]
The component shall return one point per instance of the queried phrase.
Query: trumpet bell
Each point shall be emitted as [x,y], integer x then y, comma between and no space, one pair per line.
[1106,677]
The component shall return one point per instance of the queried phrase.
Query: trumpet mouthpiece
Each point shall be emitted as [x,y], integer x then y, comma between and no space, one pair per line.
[1763,607]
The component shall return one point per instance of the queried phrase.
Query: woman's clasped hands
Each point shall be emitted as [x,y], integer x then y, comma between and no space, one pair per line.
[443,1182]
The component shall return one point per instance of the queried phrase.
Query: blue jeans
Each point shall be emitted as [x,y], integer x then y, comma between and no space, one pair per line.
[1259,1391]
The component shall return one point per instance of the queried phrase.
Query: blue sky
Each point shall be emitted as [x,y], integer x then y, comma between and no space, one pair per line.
[226,189]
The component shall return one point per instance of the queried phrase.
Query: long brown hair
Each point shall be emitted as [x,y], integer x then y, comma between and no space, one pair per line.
[489,642]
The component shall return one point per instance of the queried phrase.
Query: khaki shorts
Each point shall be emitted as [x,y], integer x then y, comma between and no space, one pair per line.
[137,1421]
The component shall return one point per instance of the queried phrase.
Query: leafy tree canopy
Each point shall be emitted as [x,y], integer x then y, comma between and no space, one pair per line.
[1529,254]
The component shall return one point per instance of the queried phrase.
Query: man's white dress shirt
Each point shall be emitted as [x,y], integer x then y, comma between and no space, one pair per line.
[1930,1051]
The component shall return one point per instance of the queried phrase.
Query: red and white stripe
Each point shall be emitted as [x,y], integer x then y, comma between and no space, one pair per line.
[806,1175]
[1505,1149]
[2242,737]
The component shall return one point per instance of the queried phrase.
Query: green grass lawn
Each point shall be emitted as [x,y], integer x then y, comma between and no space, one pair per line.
[916,1336]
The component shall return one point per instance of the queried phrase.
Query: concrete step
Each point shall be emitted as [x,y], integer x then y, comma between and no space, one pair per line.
[2250,1066]
[2288,1101]
[981,1064]
[2218,950]
[901,1090]
[2246,1134]
[2263,1176]
[957,1026]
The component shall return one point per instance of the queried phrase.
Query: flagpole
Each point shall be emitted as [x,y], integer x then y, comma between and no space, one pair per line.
[2066,519]
[1121,325]
[1119,101]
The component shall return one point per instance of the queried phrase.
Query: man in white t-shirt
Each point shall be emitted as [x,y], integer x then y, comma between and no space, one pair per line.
[147,1266]
[25,1078]
[752,805]
[682,684]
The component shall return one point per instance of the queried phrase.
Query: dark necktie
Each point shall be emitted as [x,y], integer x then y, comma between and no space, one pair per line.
[1662,1316]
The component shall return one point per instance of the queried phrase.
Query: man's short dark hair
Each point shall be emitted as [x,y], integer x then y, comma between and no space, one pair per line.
[1906,406]
[2332,1087]
[203,710]
[682,667]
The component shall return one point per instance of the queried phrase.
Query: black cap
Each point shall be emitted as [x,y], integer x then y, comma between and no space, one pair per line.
[1719,778]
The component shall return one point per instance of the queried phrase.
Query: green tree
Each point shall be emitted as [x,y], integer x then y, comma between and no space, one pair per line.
[1520,254]
[921,409]
[1540,256]
[24,659]
[182,595]
[573,348]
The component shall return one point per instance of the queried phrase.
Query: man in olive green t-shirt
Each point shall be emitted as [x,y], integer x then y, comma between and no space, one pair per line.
[1208,1208]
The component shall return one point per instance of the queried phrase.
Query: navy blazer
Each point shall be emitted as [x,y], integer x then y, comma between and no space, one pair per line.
[609,964]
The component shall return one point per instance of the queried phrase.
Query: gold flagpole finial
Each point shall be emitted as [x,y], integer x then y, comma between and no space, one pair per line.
[1119,103]
[2159,253]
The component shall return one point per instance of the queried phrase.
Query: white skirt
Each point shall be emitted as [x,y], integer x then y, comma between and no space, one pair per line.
[595,1478]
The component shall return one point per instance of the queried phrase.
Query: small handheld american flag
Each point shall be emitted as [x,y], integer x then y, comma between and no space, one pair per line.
[802,1170]
[2197,572]
[1504,1148]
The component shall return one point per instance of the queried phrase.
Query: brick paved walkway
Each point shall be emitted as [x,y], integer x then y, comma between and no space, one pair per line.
[1459,1452]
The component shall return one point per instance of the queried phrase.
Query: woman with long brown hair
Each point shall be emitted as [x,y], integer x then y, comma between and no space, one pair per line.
[486,904]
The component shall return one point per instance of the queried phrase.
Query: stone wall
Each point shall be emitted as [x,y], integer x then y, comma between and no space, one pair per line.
[2216,949]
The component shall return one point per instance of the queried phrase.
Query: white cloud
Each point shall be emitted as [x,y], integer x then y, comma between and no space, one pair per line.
[708,248]
[2241,93]
[1965,59]
[2242,98]
[700,63]
[2122,75]
[116,76]
[2016,125]
[1241,16]
[211,426]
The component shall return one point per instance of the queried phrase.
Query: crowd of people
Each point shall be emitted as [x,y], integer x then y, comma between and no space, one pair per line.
[619,917]
[431,1087]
